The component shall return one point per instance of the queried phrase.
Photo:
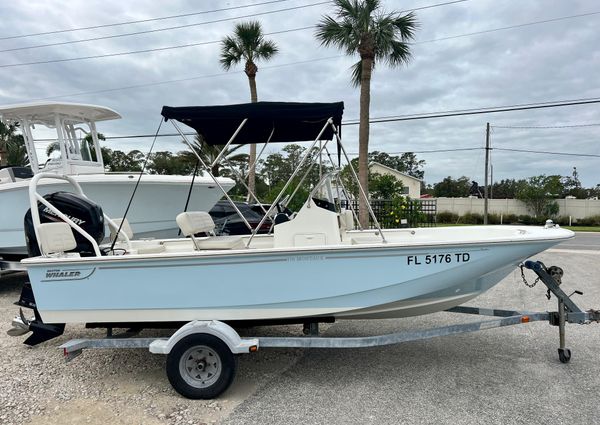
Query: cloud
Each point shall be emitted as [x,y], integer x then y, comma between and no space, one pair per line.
[551,61]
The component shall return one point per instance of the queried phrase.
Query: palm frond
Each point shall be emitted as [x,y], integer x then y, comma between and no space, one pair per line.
[247,44]
[332,33]
[266,50]
[356,73]
[231,53]
[406,26]
[399,55]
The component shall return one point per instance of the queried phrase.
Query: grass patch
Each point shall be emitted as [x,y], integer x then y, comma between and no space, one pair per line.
[583,228]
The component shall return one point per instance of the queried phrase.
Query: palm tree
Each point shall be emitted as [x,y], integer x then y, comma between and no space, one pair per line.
[12,146]
[249,45]
[376,36]
[209,153]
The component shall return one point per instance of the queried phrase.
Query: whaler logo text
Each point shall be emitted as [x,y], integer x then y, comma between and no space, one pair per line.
[53,274]
[58,274]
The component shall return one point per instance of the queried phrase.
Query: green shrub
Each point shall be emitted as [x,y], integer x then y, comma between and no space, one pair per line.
[563,220]
[529,220]
[472,218]
[493,218]
[593,220]
[446,217]
[510,219]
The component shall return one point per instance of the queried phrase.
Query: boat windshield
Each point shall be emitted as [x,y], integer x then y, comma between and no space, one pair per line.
[324,195]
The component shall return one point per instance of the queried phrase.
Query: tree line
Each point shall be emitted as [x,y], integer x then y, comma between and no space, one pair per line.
[538,192]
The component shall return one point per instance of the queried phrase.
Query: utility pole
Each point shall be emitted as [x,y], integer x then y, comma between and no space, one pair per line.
[487,163]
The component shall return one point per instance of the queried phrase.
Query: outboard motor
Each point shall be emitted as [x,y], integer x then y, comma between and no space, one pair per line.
[85,213]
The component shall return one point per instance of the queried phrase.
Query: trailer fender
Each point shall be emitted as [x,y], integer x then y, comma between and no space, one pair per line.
[221,330]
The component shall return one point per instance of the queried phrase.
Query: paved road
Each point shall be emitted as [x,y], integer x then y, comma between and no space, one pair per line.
[583,241]
[500,376]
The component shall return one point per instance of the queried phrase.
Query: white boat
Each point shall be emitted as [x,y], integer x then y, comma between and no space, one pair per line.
[158,198]
[314,267]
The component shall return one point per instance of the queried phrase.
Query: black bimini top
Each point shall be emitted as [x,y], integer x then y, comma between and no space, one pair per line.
[289,121]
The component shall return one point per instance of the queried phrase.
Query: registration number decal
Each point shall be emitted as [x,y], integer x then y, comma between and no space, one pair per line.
[457,257]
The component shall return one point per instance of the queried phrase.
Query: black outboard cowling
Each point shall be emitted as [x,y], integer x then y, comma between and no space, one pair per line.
[85,213]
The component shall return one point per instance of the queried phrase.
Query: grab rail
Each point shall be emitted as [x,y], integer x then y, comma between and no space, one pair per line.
[35,197]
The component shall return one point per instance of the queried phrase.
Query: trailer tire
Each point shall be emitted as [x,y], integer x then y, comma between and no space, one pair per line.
[201,366]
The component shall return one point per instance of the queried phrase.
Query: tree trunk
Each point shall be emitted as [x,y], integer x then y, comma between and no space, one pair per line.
[3,155]
[363,139]
[252,158]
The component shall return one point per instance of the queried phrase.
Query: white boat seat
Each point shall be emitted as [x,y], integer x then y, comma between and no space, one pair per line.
[125,228]
[194,222]
[346,220]
[56,238]
[141,246]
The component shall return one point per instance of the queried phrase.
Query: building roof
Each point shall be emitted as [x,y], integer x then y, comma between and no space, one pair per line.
[392,170]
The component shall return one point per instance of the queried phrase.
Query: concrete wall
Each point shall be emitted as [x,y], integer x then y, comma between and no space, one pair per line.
[576,208]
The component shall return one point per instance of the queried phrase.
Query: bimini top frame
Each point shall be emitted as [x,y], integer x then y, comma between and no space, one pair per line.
[273,122]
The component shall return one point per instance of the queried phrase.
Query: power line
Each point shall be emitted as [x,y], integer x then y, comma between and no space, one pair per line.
[156,49]
[157,83]
[519,127]
[589,155]
[489,110]
[106,37]
[433,5]
[277,32]
[581,15]
[183,15]
[443,114]
[583,155]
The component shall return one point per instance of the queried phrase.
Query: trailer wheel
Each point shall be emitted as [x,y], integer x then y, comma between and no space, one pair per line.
[564,354]
[201,366]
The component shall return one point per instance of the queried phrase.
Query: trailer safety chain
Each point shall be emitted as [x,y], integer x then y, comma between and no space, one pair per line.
[530,285]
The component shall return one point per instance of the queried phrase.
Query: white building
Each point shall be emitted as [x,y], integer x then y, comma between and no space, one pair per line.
[412,185]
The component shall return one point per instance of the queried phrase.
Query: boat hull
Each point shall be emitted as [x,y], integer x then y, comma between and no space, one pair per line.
[158,200]
[342,282]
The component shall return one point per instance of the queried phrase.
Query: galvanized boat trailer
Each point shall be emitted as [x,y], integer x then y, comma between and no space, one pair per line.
[201,355]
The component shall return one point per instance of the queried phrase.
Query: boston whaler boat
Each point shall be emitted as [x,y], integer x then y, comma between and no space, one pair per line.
[314,267]
[159,197]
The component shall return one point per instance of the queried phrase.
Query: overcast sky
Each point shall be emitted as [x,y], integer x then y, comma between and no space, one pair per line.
[551,61]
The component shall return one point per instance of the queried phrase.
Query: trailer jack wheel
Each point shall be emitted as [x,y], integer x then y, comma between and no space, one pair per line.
[201,366]
[564,354]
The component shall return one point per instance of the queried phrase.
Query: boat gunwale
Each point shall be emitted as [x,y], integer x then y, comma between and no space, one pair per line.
[310,250]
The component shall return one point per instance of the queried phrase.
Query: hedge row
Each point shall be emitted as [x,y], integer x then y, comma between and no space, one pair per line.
[476,218]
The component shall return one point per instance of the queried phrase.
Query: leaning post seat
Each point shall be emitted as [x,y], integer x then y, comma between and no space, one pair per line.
[194,222]
[123,223]
[56,238]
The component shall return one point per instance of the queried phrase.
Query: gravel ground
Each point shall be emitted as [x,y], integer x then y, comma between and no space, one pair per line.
[110,386]
[506,375]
